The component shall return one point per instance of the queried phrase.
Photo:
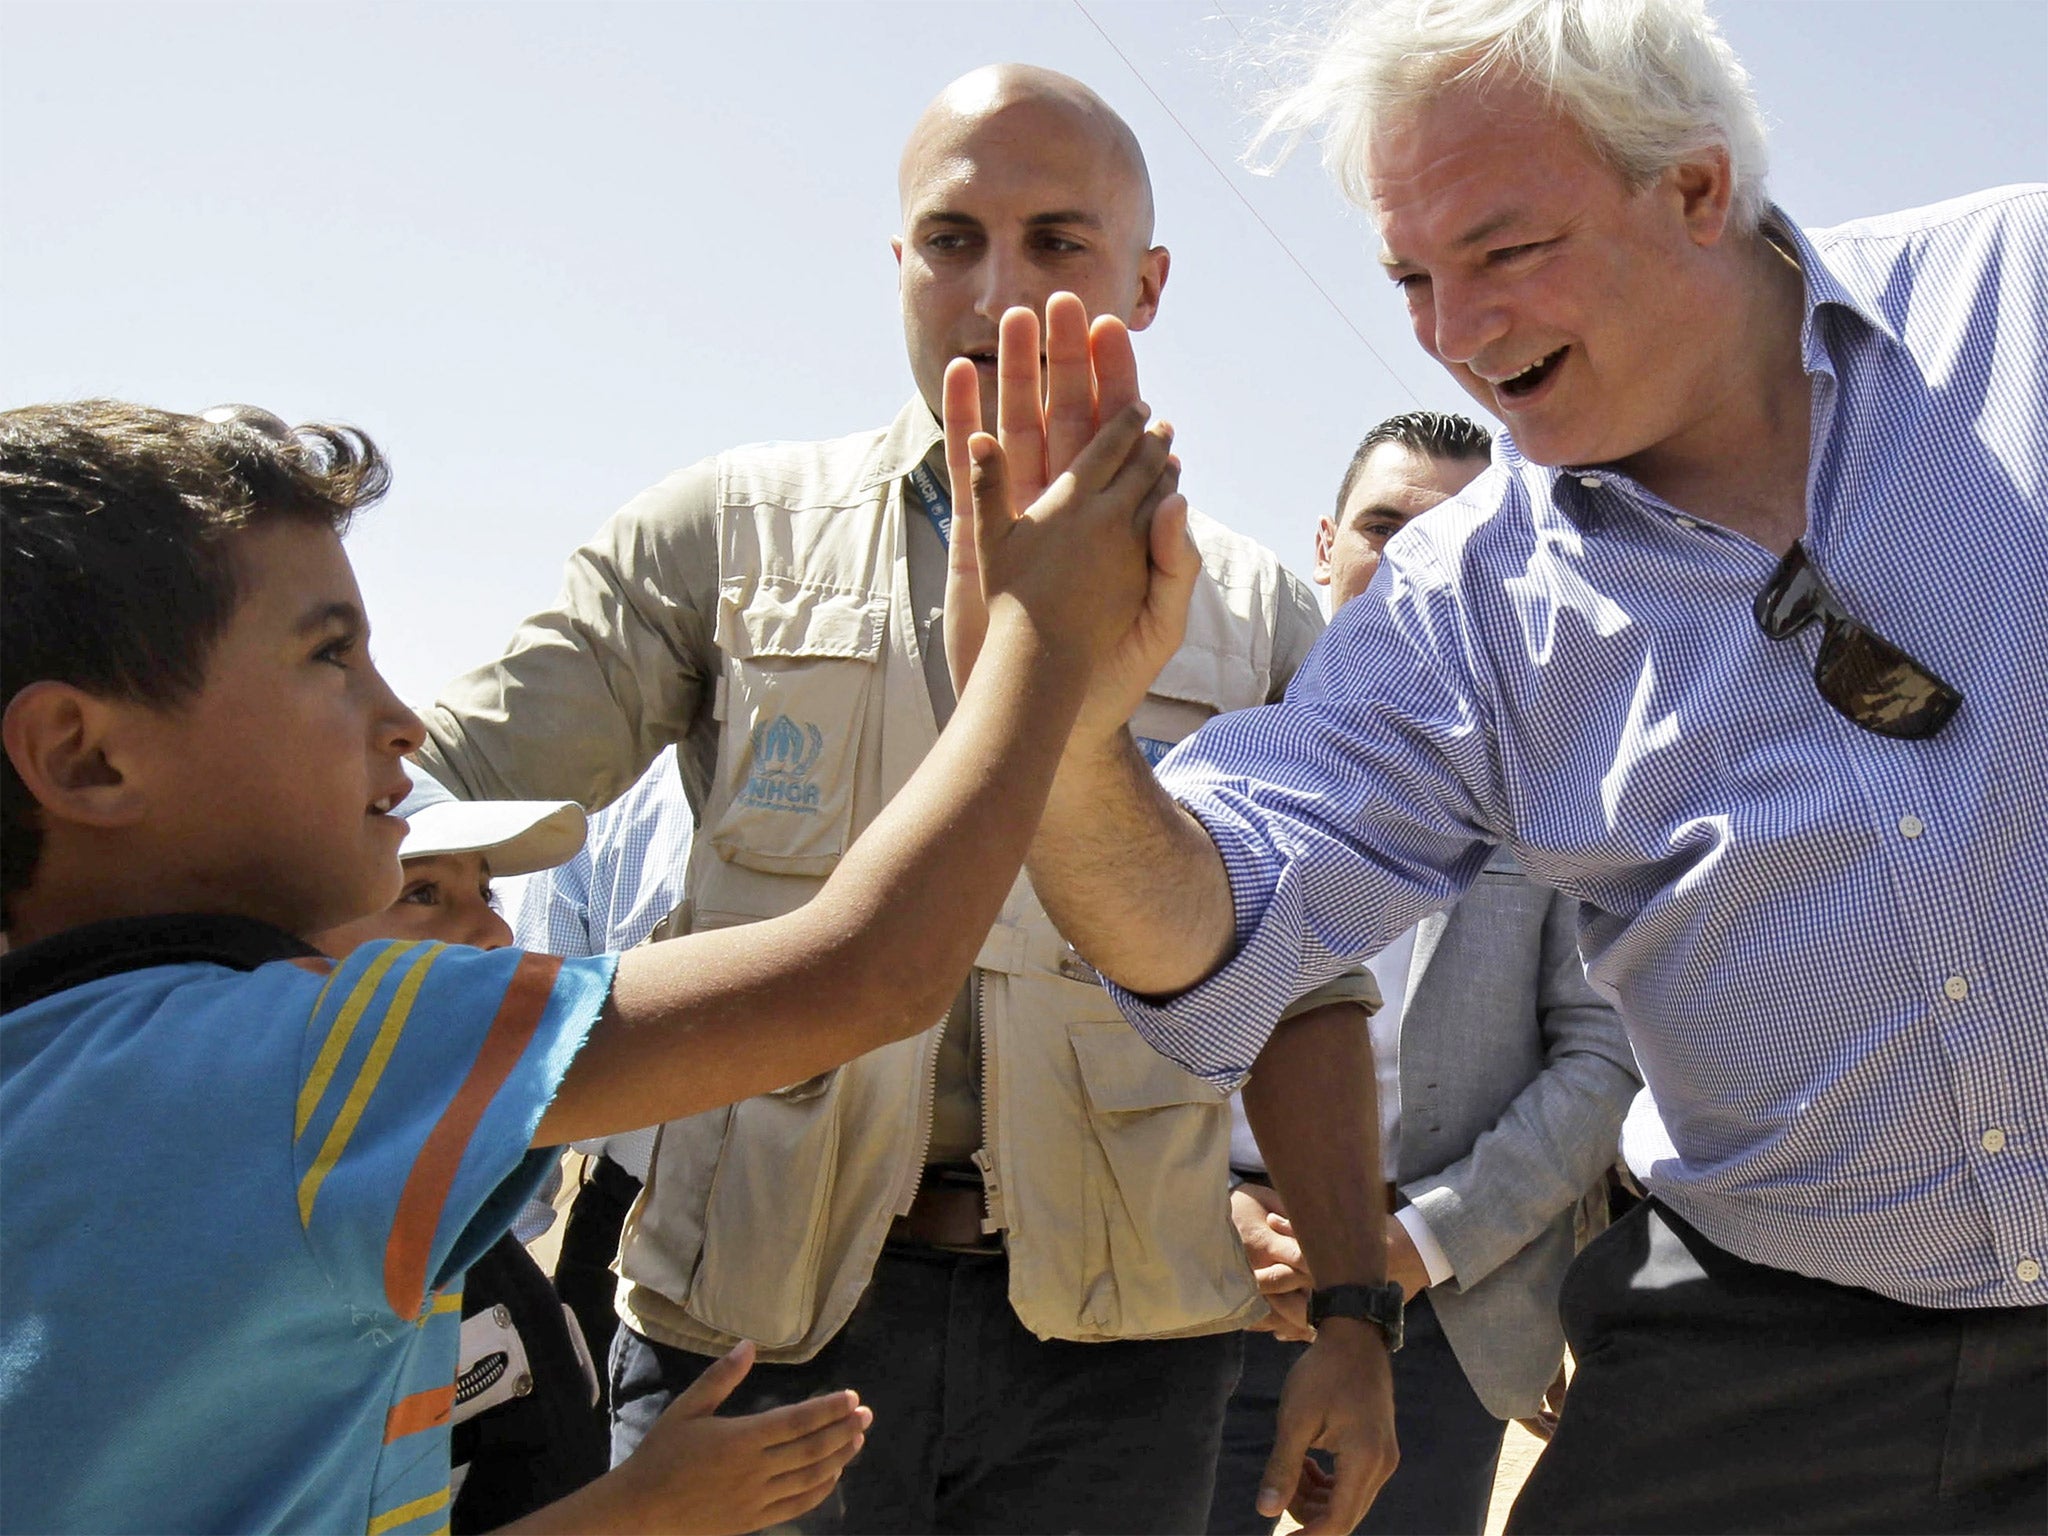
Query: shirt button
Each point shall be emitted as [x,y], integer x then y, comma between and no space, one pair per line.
[1956,988]
[1992,1140]
[1591,482]
[2027,1271]
[1911,826]
[1686,522]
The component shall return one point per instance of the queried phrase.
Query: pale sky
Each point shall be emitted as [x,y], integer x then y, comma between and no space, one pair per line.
[546,253]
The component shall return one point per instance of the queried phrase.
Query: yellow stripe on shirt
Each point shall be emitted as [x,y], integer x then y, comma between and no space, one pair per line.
[366,1080]
[391,1519]
[343,1030]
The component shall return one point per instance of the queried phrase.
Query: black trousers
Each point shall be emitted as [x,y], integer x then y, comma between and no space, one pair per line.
[1450,1444]
[1713,1394]
[979,1425]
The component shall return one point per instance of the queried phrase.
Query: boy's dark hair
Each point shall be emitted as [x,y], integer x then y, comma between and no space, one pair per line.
[1433,434]
[118,552]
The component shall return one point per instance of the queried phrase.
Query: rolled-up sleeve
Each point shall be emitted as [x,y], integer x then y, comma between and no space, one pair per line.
[1364,801]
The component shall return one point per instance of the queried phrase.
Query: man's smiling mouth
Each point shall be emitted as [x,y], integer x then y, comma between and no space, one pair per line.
[1530,377]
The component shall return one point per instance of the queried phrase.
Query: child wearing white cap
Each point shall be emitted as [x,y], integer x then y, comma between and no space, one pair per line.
[527,1424]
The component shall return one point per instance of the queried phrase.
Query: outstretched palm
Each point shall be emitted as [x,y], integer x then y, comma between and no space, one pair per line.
[1091,375]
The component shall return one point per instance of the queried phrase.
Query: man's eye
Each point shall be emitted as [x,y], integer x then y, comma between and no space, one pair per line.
[1060,245]
[1516,252]
[337,652]
[422,893]
[1411,282]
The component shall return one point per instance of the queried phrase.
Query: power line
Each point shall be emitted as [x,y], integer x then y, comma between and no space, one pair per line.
[1235,191]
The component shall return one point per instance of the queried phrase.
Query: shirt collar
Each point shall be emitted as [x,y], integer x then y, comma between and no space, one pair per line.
[97,950]
[908,440]
[1838,287]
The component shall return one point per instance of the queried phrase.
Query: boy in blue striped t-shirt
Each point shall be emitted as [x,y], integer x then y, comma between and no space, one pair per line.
[242,1182]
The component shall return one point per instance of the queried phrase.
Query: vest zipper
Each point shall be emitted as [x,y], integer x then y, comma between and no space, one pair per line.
[913,1178]
[997,1219]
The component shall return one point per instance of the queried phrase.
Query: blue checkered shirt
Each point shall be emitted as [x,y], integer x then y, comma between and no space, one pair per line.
[628,877]
[1831,947]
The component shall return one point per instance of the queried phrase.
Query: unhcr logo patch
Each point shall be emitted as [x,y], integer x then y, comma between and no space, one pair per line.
[784,755]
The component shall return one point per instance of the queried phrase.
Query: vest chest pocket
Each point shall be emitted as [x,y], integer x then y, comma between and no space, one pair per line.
[801,668]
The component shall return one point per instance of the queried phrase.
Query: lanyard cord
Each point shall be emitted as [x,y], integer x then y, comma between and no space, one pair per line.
[938,505]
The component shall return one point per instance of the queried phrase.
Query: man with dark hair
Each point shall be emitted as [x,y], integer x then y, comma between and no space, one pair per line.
[1503,1079]
[1441,435]
[1418,459]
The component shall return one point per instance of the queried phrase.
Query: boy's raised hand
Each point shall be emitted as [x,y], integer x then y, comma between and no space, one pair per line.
[1091,382]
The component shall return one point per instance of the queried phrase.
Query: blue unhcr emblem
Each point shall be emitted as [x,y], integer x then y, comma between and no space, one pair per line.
[784,754]
[1152,749]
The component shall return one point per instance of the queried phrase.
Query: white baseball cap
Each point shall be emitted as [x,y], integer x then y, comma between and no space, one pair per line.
[517,837]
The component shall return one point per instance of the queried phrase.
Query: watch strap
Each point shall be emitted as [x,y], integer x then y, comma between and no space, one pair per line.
[1380,1305]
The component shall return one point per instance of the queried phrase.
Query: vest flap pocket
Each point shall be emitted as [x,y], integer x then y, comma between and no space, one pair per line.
[770,1193]
[800,671]
[774,616]
[1121,1072]
[1157,1252]
[492,1367]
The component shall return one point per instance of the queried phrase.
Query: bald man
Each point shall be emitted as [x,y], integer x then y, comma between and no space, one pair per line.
[1009,1234]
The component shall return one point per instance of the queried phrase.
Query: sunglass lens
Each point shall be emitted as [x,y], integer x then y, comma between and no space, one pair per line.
[1791,600]
[1879,686]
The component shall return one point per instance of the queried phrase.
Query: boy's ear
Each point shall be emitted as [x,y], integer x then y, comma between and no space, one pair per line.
[65,744]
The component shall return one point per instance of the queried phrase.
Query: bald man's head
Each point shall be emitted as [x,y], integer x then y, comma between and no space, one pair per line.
[986,94]
[1017,183]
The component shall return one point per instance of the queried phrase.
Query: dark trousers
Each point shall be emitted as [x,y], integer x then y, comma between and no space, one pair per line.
[590,1241]
[1450,1444]
[1713,1394]
[980,1426]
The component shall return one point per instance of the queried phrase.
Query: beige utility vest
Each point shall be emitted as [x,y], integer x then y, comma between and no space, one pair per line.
[1105,1165]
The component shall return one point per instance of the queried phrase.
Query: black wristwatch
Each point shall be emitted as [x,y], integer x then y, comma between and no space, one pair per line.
[1376,1304]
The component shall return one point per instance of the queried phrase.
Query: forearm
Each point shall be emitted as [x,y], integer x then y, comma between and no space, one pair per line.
[1313,1105]
[1127,875]
[877,954]
[928,878]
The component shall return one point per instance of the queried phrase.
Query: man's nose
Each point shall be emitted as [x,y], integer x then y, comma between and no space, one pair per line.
[1463,321]
[1006,280]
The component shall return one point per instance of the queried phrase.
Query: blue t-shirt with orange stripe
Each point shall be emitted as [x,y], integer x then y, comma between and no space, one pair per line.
[238,1205]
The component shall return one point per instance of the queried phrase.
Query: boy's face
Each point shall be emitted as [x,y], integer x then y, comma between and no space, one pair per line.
[268,792]
[445,896]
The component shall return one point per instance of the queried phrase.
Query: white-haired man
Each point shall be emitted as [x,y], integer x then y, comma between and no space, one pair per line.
[1710,649]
